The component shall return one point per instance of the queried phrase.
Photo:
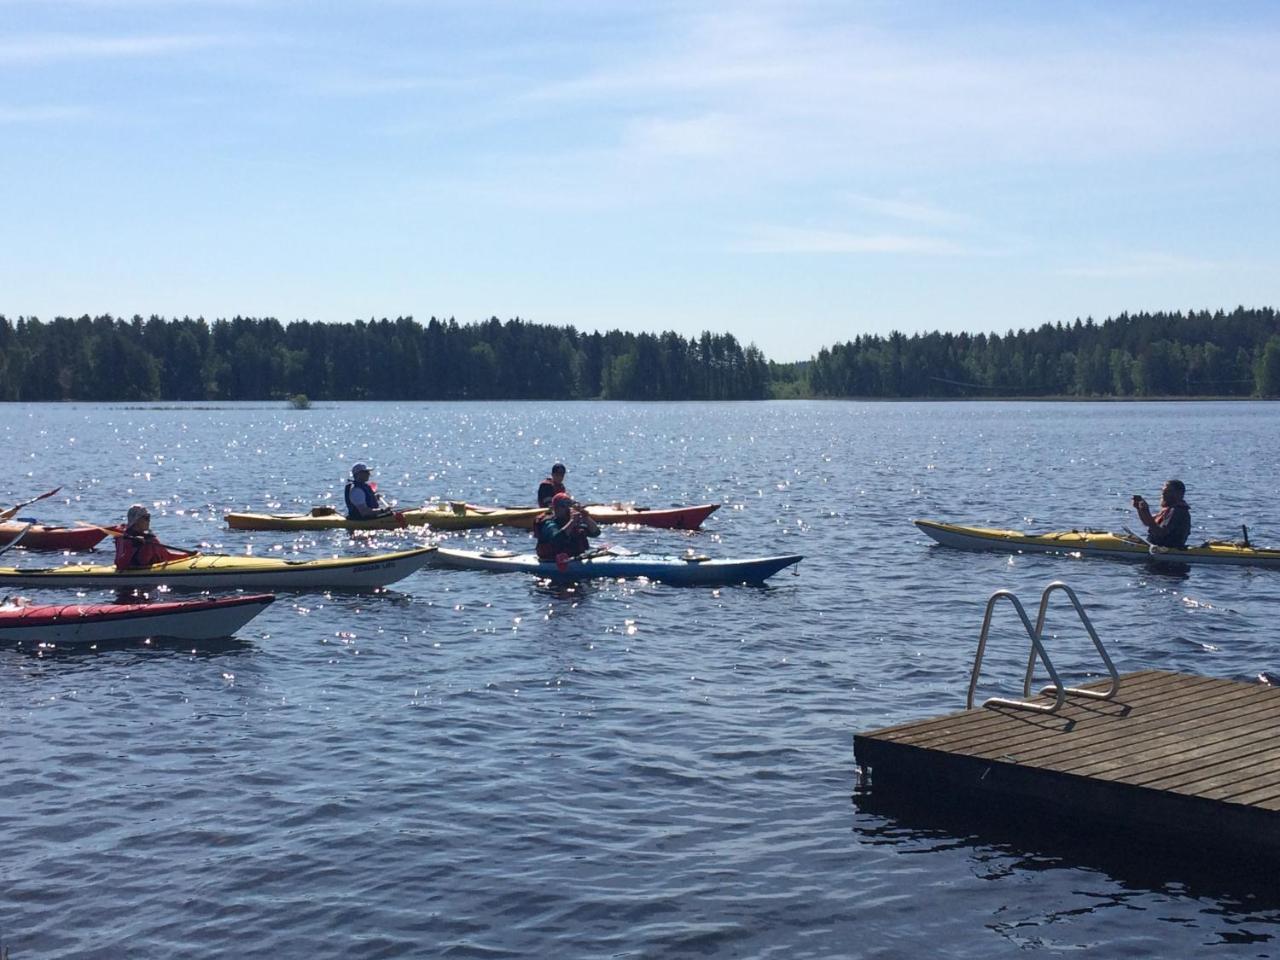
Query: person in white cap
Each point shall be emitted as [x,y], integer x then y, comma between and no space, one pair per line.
[137,546]
[363,501]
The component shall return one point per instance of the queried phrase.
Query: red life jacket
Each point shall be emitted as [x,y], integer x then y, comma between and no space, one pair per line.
[550,546]
[547,489]
[142,550]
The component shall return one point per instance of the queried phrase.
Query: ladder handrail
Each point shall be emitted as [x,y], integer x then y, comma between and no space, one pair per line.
[1037,649]
[1056,687]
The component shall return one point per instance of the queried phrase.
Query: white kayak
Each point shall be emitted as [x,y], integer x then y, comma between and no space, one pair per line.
[604,563]
[79,623]
[216,571]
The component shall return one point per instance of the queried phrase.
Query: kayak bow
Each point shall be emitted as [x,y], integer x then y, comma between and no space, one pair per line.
[91,623]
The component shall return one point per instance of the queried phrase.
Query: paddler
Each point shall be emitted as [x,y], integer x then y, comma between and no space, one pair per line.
[137,546]
[552,485]
[564,533]
[363,501]
[1172,525]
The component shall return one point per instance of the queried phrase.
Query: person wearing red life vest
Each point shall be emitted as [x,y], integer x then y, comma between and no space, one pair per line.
[564,533]
[552,485]
[139,547]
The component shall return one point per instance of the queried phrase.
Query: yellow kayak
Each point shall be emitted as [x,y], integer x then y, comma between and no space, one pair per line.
[1094,543]
[216,571]
[443,516]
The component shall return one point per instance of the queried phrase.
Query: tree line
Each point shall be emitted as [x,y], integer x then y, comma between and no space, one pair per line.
[244,358]
[105,358]
[1233,354]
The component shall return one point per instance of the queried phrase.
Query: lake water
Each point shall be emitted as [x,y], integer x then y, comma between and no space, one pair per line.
[473,765]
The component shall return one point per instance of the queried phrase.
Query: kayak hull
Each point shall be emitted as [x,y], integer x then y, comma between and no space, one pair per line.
[40,537]
[225,572]
[667,569]
[74,624]
[1094,544]
[442,517]
[667,518]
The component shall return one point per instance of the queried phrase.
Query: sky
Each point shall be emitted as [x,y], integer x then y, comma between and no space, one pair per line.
[795,173]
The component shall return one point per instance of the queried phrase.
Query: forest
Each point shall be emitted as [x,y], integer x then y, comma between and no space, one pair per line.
[104,358]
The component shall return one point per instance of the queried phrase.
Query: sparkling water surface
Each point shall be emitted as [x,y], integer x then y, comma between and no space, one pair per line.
[477,765]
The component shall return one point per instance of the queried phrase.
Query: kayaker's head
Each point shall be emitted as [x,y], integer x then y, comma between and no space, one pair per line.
[561,504]
[360,472]
[138,519]
[557,472]
[1172,493]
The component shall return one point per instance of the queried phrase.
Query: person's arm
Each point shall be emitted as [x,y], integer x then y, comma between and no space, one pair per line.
[1144,514]
[589,525]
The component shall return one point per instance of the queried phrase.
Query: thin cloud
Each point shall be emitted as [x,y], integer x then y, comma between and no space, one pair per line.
[904,209]
[57,47]
[805,241]
[15,115]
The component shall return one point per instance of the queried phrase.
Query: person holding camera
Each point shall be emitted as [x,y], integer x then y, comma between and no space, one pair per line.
[564,534]
[1172,525]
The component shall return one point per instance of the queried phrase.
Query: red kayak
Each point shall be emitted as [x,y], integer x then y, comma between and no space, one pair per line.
[40,537]
[91,623]
[667,518]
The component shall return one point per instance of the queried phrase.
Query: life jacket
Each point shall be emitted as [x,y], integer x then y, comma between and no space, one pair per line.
[547,489]
[371,498]
[552,541]
[135,550]
[1172,526]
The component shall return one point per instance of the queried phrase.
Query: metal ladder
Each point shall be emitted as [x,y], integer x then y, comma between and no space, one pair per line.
[1036,635]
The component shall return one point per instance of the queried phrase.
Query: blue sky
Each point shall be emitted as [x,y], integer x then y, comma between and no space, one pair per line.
[794,173]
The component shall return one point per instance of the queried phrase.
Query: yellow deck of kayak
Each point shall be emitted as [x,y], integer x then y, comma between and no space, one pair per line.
[444,516]
[1094,543]
[226,569]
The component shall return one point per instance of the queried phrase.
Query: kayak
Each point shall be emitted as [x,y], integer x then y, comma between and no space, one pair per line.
[40,537]
[1094,543]
[211,571]
[667,518]
[444,516]
[670,569]
[91,623]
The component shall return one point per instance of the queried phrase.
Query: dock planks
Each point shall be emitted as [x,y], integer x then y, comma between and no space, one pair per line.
[1195,755]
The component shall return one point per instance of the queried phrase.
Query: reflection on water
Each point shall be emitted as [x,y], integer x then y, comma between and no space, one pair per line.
[1134,860]
[471,763]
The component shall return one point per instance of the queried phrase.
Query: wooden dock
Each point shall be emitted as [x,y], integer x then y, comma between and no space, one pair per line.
[1192,757]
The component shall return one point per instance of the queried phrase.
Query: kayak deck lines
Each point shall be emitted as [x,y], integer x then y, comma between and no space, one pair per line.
[1092,543]
[207,619]
[219,571]
[695,569]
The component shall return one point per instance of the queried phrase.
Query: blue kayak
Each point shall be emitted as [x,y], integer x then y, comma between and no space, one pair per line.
[616,565]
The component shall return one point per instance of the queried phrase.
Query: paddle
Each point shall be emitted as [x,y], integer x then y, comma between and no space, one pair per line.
[13,511]
[14,542]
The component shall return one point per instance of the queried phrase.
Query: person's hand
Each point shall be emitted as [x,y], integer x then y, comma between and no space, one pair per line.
[1137,500]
